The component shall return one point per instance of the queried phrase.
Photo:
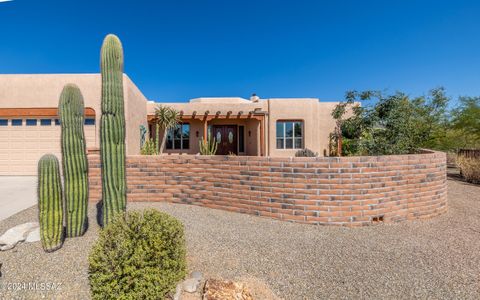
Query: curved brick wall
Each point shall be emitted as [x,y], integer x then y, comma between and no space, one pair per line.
[352,191]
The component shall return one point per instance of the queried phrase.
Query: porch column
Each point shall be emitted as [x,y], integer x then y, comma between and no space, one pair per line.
[205,129]
[262,136]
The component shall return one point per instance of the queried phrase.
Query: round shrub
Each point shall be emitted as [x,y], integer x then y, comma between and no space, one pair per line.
[139,255]
[305,153]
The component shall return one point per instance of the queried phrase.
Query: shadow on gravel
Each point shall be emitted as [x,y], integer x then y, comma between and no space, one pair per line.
[454,174]
[99,206]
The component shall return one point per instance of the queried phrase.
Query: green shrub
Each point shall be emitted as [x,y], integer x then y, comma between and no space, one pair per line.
[470,168]
[306,153]
[139,255]
[148,148]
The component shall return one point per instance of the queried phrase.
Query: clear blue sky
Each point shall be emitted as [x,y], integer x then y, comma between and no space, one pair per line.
[177,50]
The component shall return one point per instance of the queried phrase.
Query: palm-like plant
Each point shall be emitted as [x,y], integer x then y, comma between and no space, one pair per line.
[166,119]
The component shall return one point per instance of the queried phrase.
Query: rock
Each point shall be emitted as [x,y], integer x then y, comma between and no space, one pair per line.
[178,292]
[33,236]
[225,290]
[197,275]
[190,285]
[15,235]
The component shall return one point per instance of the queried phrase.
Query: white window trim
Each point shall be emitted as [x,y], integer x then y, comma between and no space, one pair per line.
[284,137]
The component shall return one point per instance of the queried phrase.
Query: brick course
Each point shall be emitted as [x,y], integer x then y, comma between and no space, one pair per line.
[351,191]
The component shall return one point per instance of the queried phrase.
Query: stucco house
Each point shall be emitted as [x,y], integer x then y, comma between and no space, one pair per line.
[29,125]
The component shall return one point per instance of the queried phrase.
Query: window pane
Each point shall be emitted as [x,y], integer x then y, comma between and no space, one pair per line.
[241,139]
[89,121]
[177,133]
[3,122]
[46,122]
[280,129]
[289,143]
[31,122]
[280,143]
[17,122]
[186,131]
[57,121]
[176,144]
[168,144]
[298,129]
[298,143]
[186,144]
[288,129]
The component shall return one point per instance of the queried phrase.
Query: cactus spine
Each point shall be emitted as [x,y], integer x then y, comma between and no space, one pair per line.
[112,131]
[50,205]
[74,159]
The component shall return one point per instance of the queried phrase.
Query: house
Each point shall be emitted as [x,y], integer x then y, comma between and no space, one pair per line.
[29,123]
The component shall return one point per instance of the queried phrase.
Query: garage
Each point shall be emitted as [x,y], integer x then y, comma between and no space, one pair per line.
[28,133]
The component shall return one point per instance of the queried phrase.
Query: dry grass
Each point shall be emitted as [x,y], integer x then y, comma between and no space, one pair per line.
[470,168]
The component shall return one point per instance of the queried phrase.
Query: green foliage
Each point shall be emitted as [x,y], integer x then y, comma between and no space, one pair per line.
[148,148]
[112,129]
[166,118]
[50,205]
[138,256]
[394,124]
[209,146]
[306,153]
[466,122]
[74,159]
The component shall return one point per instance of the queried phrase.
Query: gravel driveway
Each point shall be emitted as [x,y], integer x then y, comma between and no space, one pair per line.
[437,258]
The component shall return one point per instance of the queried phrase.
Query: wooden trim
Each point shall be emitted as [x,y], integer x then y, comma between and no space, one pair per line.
[37,112]
[213,117]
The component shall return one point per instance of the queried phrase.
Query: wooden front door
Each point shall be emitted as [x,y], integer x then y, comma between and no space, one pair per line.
[226,136]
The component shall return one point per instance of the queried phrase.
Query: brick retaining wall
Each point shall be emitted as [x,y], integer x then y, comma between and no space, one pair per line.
[352,191]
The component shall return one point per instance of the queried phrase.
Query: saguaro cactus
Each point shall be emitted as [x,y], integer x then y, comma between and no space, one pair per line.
[50,205]
[74,159]
[112,132]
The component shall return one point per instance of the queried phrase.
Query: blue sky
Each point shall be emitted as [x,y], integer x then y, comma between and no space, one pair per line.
[177,50]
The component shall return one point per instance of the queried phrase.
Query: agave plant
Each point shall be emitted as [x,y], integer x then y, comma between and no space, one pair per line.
[166,119]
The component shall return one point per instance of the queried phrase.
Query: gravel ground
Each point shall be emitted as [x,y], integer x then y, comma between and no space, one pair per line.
[436,259]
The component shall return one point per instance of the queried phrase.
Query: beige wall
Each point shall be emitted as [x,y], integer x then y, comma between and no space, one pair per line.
[135,115]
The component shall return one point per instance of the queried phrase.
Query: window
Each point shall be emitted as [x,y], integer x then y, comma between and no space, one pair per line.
[89,121]
[17,122]
[289,134]
[46,122]
[241,139]
[3,122]
[179,137]
[57,122]
[31,122]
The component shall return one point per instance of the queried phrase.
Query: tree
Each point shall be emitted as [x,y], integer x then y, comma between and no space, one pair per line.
[393,124]
[166,118]
[466,122]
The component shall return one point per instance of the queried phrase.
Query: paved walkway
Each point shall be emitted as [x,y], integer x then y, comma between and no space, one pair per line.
[16,194]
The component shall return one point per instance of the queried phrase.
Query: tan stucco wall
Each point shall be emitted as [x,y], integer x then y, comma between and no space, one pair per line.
[43,90]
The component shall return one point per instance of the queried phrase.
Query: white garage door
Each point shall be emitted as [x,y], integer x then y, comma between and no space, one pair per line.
[24,140]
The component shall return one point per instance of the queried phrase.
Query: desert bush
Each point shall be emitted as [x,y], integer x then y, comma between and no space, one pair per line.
[306,153]
[470,168]
[139,255]
[148,148]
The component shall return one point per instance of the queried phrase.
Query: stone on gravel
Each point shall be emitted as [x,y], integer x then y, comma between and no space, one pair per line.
[15,235]
[191,285]
[178,292]
[197,275]
[225,290]
[33,236]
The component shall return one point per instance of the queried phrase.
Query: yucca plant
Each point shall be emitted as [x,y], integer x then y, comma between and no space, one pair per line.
[166,118]
[74,159]
[112,130]
[50,203]
[209,146]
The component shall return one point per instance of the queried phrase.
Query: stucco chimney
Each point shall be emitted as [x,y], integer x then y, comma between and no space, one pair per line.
[254,98]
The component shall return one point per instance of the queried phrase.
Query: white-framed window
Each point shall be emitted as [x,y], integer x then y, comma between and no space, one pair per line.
[178,138]
[289,134]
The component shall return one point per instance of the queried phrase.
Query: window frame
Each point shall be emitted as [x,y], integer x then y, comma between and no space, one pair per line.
[293,137]
[182,138]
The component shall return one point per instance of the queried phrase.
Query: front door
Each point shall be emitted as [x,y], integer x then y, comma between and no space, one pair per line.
[226,137]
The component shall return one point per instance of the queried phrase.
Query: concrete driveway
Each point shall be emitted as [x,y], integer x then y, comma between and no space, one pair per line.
[16,194]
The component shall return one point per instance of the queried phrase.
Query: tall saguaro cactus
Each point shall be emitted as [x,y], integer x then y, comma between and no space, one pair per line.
[50,205]
[74,159]
[112,132]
